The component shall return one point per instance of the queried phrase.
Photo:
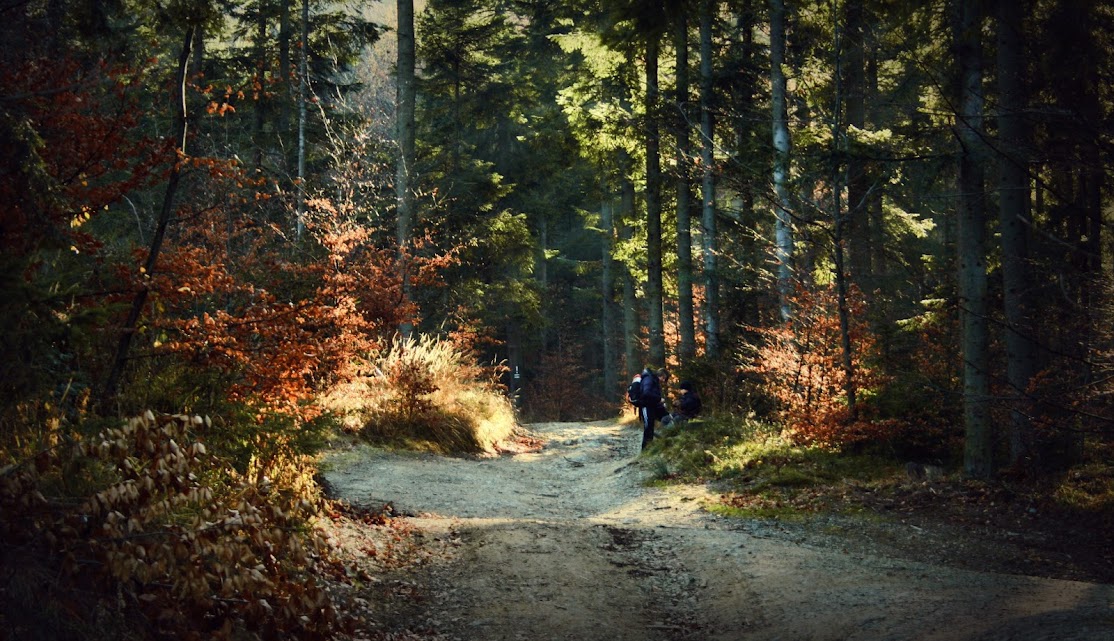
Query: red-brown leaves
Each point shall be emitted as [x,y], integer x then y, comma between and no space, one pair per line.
[74,150]
[230,294]
[800,368]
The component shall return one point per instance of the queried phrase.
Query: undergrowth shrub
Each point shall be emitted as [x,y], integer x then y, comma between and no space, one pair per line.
[560,390]
[426,393]
[924,388]
[141,528]
[799,367]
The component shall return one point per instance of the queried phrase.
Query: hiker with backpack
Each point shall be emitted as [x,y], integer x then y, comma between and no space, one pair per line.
[634,394]
[650,403]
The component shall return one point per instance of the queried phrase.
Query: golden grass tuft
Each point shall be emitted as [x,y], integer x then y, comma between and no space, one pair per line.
[424,393]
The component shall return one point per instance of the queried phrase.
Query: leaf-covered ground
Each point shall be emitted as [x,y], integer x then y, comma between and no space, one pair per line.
[963,524]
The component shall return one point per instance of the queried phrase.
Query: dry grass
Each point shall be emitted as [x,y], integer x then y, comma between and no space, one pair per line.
[425,394]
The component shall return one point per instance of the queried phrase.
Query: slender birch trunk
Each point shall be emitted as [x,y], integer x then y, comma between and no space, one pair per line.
[783,227]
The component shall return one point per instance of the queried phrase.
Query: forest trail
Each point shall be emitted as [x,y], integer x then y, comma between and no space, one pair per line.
[567,543]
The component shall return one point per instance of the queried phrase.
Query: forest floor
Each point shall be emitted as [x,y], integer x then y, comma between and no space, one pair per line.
[567,541]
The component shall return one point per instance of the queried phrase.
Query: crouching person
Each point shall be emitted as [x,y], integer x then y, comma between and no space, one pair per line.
[688,406]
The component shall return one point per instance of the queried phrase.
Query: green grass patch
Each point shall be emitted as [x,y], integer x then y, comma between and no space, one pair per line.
[785,513]
[760,472]
[754,452]
[1088,488]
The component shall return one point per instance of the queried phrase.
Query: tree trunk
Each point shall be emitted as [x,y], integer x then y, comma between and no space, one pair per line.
[708,234]
[284,71]
[783,227]
[197,56]
[181,131]
[632,350]
[610,382]
[971,247]
[303,97]
[841,224]
[687,348]
[852,63]
[1013,211]
[405,130]
[655,318]
[874,215]
[261,80]
[750,249]
[541,274]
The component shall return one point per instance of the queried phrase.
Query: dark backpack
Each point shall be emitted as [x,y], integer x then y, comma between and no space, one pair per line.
[634,393]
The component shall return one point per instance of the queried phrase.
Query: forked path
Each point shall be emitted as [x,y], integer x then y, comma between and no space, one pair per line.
[567,543]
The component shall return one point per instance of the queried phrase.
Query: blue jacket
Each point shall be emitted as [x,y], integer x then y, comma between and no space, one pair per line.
[689,404]
[651,389]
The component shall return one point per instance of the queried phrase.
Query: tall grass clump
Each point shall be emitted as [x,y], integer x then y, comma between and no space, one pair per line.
[426,393]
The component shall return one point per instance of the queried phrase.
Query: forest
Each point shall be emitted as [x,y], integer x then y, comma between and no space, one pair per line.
[233,229]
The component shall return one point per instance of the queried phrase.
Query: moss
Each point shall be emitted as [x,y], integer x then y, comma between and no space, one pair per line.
[764,512]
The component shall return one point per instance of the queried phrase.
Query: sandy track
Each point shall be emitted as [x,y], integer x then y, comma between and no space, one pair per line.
[566,543]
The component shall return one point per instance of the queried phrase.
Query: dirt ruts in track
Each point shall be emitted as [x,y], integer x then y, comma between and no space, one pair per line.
[567,543]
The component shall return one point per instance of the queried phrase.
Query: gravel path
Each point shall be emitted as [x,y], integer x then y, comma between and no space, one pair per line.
[567,543]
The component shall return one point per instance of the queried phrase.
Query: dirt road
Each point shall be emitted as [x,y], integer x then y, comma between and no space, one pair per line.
[567,543]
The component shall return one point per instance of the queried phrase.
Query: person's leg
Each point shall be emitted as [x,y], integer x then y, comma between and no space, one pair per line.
[647,426]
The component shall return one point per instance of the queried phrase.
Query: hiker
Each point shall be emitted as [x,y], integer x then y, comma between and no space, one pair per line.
[653,408]
[634,394]
[688,406]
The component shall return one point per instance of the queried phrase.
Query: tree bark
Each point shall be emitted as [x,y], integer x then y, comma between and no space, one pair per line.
[181,132]
[284,71]
[971,247]
[607,223]
[708,235]
[874,215]
[655,317]
[632,350]
[783,226]
[303,97]
[853,64]
[685,312]
[841,223]
[1013,212]
[405,130]
[260,79]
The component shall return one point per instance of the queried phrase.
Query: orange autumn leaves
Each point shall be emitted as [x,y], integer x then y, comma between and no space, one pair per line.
[273,317]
